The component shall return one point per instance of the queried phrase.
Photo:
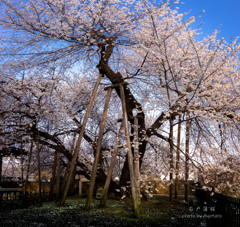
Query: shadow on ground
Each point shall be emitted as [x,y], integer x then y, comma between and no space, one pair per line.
[155,212]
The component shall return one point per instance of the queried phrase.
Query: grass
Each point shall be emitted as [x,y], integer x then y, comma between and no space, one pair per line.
[155,212]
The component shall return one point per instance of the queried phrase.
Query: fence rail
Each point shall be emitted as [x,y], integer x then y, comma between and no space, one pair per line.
[229,207]
[14,197]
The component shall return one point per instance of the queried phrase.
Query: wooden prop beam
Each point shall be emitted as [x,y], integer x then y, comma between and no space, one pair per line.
[58,176]
[136,161]
[39,171]
[0,171]
[136,206]
[186,197]
[77,148]
[178,155]
[115,85]
[29,164]
[99,144]
[53,176]
[110,170]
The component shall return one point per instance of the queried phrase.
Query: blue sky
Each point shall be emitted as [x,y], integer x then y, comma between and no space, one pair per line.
[223,15]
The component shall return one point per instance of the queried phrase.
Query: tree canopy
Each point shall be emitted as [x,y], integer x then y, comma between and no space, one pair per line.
[53,50]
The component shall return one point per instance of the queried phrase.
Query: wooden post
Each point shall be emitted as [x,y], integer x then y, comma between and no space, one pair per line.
[58,176]
[136,206]
[29,164]
[39,171]
[136,162]
[97,157]
[110,170]
[65,177]
[178,156]
[0,170]
[77,148]
[80,187]
[187,158]
[53,176]
[22,170]
[67,169]
[171,159]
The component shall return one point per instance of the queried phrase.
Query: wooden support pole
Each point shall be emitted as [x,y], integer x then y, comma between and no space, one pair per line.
[58,176]
[178,156]
[67,169]
[80,187]
[22,170]
[110,170]
[65,177]
[53,176]
[0,170]
[29,164]
[136,206]
[171,159]
[115,85]
[77,148]
[1,194]
[187,158]
[39,171]
[136,151]
[136,162]
[97,156]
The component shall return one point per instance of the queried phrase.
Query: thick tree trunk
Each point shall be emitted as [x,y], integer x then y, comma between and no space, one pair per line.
[187,159]
[131,103]
[178,156]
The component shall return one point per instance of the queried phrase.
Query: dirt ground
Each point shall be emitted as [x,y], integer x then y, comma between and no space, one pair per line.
[155,212]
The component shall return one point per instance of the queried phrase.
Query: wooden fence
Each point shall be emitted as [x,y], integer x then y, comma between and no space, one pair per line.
[14,197]
[229,208]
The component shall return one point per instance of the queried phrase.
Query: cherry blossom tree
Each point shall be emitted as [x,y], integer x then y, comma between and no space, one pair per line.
[52,51]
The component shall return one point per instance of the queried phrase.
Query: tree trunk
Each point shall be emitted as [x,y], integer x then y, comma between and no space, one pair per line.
[131,103]
[187,158]
[99,144]
[171,159]
[178,156]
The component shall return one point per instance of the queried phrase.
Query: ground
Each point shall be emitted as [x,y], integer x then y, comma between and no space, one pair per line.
[155,212]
